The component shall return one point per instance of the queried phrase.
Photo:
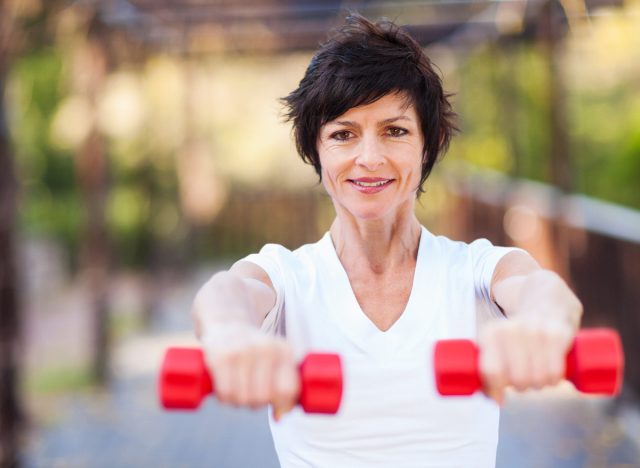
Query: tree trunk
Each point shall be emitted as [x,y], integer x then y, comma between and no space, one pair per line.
[11,414]
[560,168]
[91,171]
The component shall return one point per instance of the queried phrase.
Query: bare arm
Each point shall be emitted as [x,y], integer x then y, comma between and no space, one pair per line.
[528,350]
[251,368]
[520,286]
[243,295]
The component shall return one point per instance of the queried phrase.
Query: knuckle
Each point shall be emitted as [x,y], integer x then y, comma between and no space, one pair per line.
[259,399]
[539,380]
[492,375]
[539,375]
[520,385]
[491,334]
[538,336]
[224,392]
[491,366]
[554,336]
[240,395]
[242,399]
[262,350]
[222,360]
[285,389]
[555,375]
[259,393]
[289,392]
[254,405]
[518,379]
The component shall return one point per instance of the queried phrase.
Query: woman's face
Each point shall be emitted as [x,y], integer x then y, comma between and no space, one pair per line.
[371,158]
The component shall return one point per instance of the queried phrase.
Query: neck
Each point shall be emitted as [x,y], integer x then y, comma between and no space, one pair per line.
[379,244]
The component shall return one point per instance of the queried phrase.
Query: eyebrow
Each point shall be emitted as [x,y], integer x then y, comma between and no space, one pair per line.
[348,123]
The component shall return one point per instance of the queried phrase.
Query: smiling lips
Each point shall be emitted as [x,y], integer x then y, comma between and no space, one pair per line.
[370,185]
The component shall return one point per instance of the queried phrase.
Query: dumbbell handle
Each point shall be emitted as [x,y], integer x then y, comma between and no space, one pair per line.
[185,380]
[594,364]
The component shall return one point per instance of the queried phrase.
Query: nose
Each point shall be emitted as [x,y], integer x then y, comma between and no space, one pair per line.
[371,153]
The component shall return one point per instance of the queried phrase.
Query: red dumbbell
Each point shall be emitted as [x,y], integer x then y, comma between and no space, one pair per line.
[594,364]
[185,381]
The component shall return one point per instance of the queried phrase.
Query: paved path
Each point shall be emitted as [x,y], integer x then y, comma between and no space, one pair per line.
[123,426]
[126,429]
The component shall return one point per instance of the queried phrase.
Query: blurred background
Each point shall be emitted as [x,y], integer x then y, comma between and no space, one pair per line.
[142,149]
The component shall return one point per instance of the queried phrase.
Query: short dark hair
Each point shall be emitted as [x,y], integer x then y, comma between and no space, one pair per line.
[359,64]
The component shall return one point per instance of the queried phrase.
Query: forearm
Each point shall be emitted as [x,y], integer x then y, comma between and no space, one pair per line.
[539,294]
[228,299]
[251,368]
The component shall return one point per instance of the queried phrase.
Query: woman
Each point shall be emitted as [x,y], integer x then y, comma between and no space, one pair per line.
[379,289]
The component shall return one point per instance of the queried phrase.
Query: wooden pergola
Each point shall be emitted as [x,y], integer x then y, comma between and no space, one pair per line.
[201,26]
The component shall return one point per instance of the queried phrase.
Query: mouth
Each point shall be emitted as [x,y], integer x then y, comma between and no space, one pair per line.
[370,184]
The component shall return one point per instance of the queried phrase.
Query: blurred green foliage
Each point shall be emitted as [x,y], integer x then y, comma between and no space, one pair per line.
[502,104]
[503,100]
[50,201]
[60,380]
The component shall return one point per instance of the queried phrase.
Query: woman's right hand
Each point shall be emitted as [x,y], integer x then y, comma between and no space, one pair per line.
[251,368]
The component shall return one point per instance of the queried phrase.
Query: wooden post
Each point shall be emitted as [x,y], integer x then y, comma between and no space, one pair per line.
[91,172]
[560,168]
[95,264]
[11,407]
[11,414]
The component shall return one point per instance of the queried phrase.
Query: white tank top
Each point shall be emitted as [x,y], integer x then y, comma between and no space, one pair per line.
[391,414]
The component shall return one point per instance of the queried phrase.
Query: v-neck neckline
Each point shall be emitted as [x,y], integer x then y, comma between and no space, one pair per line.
[354,314]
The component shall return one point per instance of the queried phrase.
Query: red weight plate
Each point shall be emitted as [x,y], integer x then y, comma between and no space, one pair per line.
[456,367]
[321,383]
[184,379]
[595,362]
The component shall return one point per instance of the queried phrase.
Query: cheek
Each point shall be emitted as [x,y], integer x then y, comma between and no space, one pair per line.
[418,173]
[331,166]
[327,177]
[412,166]
[418,170]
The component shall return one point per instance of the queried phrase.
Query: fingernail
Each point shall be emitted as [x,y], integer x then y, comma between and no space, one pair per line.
[277,414]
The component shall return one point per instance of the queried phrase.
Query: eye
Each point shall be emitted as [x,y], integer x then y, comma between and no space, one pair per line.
[342,135]
[396,131]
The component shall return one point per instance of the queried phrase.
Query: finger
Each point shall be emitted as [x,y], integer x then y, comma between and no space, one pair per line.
[537,344]
[240,376]
[260,383]
[548,356]
[555,358]
[540,350]
[492,369]
[221,370]
[285,387]
[518,358]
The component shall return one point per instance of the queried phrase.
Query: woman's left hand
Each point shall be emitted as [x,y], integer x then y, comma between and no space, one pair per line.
[524,353]
[528,351]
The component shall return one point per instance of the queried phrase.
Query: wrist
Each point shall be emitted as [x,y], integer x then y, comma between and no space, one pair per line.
[548,294]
